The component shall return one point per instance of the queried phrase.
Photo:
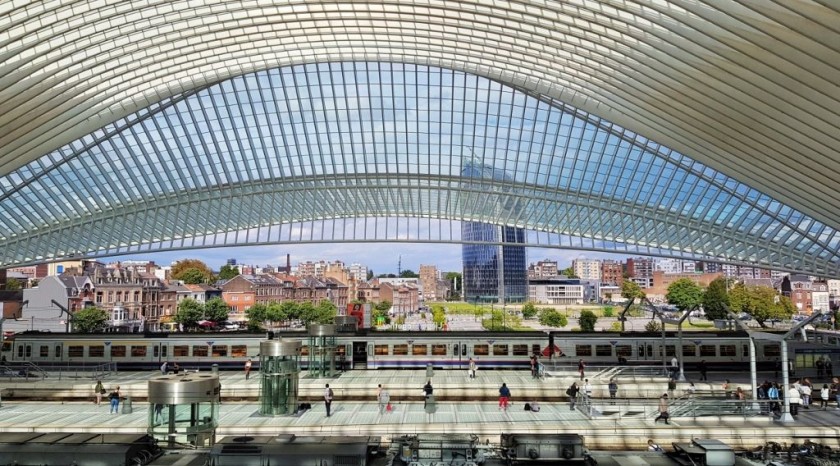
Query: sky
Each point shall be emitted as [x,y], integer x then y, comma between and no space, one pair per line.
[381,258]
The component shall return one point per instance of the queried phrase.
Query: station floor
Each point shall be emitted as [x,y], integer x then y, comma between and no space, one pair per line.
[625,427]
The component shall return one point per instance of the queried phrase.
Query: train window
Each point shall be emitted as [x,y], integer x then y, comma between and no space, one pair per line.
[97,351]
[624,350]
[76,351]
[57,351]
[138,351]
[670,350]
[520,350]
[419,350]
[707,350]
[380,350]
[689,350]
[745,350]
[20,351]
[603,350]
[772,351]
[304,351]
[118,351]
[164,350]
[500,350]
[44,351]
[535,349]
[28,351]
[832,341]
[155,351]
[180,351]
[400,350]
[220,351]
[463,350]
[439,350]
[481,350]
[583,350]
[237,351]
[728,350]
[199,350]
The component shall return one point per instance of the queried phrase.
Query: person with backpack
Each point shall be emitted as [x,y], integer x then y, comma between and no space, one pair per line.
[328,398]
[504,397]
[572,393]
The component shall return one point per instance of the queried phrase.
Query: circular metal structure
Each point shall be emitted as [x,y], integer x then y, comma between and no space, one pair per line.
[321,330]
[183,389]
[276,348]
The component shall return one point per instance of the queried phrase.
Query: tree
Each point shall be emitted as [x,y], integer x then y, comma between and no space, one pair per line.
[227,272]
[716,299]
[630,290]
[652,326]
[587,320]
[325,312]
[551,318]
[383,306]
[761,302]
[193,276]
[179,267]
[438,315]
[529,310]
[189,313]
[570,272]
[257,315]
[89,320]
[456,280]
[13,284]
[307,313]
[685,294]
[409,274]
[216,310]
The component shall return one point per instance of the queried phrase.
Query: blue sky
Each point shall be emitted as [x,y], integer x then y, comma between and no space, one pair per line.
[379,257]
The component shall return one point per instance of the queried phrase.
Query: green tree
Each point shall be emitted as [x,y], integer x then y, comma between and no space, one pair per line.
[193,276]
[529,310]
[13,284]
[587,321]
[569,272]
[287,310]
[307,313]
[761,302]
[189,313]
[216,310]
[685,294]
[184,264]
[631,290]
[609,311]
[89,320]
[551,318]
[653,326]
[384,305]
[409,274]
[456,280]
[438,315]
[716,299]
[257,315]
[325,312]
[227,272]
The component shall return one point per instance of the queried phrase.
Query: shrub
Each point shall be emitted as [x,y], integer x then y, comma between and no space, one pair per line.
[609,311]
[652,326]
[587,320]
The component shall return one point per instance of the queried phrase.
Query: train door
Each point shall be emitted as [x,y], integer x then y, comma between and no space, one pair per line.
[160,353]
[360,355]
[59,353]
[459,359]
[645,351]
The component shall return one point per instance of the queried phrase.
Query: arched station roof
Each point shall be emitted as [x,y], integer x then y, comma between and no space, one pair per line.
[693,129]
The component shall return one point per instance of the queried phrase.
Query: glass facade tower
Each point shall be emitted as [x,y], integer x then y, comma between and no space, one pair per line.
[492,273]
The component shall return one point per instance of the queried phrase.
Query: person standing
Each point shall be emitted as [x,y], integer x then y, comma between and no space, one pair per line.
[472,368]
[675,367]
[533,366]
[829,371]
[114,396]
[835,390]
[727,390]
[824,394]
[613,388]
[572,393]
[382,398]
[248,368]
[587,390]
[795,400]
[504,397]
[428,391]
[805,392]
[98,391]
[663,409]
[581,368]
[328,398]
[820,366]
[163,367]
[702,367]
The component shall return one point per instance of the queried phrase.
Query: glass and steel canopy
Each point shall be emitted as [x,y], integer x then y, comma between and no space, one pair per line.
[373,151]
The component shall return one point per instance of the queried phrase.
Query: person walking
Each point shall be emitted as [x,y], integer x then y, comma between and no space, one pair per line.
[382,399]
[504,397]
[533,366]
[663,409]
[835,390]
[741,396]
[805,391]
[581,368]
[675,367]
[820,364]
[472,368]
[98,391]
[587,390]
[829,371]
[702,367]
[824,394]
[773,395]
[572,393]
[114,396]
[248,368]
[727,390]
[795,400]
[613,389]
[328,398]
[163,367]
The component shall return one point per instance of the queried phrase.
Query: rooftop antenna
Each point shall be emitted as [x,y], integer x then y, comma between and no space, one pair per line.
[399,266]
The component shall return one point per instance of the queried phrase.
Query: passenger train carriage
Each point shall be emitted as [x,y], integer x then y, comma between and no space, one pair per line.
[390,350]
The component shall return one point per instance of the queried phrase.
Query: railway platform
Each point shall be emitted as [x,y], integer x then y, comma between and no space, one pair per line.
[464,406]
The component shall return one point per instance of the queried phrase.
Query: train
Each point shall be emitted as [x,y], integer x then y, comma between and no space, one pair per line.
[410,350]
